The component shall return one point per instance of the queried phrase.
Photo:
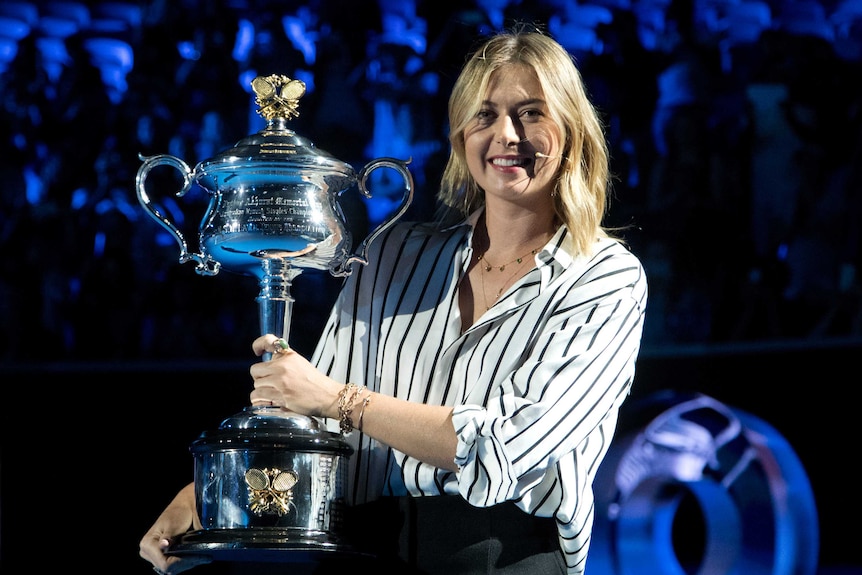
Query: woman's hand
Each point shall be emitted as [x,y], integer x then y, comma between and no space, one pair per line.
[291,381]
[178,518]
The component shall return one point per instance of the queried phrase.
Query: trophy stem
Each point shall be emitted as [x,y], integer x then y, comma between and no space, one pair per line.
[275,304]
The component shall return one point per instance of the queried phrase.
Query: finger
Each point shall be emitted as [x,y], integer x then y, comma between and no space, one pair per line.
[153,547]
[154,552]
[266,395]
[280,345]
[270,344]
[265,403]
[263,343]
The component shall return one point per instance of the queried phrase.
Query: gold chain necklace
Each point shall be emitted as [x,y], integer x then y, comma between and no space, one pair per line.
[487,267]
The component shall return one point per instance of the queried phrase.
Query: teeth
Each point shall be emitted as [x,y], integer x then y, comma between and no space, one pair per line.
[508,162]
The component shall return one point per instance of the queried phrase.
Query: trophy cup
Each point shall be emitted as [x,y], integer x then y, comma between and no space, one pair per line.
[270,483]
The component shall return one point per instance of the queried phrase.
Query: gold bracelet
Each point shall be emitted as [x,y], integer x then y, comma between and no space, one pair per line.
[346,399]
[365,403]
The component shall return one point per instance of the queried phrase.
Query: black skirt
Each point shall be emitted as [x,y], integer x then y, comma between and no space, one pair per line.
[445,535]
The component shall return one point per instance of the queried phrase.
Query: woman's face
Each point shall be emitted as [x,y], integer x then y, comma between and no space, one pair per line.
[512,146]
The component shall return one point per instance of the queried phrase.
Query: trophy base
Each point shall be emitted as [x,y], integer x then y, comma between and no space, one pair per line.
[249,545]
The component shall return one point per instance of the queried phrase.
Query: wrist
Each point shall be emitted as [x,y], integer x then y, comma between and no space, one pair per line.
[348,398]
[365,401]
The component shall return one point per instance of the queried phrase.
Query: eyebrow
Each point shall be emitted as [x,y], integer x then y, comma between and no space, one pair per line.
[527,102]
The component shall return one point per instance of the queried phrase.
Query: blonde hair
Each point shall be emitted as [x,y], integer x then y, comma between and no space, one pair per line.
[581,191]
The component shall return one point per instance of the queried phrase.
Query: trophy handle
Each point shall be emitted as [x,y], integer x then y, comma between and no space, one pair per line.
[400,166]
[206,266]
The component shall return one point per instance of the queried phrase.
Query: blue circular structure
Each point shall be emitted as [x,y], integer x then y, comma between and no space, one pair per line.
[701,488]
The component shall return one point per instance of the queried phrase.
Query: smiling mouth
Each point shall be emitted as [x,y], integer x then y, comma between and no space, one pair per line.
[512,162]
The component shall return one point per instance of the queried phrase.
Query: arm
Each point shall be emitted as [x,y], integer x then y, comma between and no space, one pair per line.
[421,431]
[178,517]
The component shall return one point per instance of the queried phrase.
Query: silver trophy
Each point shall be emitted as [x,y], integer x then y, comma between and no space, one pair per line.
[270,483]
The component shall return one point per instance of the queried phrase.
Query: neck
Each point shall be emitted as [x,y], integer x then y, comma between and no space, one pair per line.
[501,241]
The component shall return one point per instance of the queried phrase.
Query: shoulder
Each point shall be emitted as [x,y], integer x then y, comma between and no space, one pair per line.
[411,236]
[606,253]
[610,265]
[613,252]
[610,255]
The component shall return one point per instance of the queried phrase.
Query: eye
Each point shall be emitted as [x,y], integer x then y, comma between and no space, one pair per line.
[531,115]
[485,116]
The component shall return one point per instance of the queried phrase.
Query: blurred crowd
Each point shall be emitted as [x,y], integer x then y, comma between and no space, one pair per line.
[735,129]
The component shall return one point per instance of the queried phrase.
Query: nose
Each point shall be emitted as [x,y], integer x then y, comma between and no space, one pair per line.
[507,131]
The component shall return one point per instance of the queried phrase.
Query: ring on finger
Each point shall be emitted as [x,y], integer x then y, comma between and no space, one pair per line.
[280,345]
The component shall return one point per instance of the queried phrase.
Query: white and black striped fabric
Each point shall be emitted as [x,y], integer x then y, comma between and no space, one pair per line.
[536,383]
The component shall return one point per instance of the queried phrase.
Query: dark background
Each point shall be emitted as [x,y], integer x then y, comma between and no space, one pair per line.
[735,136]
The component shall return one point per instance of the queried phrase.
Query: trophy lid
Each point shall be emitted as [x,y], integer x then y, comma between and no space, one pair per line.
[269,426]
[275,153]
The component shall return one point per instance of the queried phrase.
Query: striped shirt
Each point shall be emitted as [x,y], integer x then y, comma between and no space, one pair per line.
[535,384]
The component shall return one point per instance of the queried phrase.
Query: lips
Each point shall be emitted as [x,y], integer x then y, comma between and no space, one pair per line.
[520,162]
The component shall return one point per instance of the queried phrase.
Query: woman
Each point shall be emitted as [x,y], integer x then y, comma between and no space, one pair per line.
[478,364]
